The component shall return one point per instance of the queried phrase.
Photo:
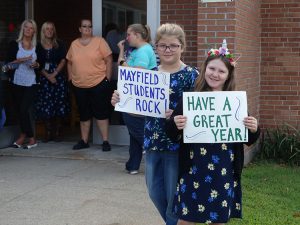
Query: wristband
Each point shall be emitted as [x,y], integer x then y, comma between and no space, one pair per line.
[122,62]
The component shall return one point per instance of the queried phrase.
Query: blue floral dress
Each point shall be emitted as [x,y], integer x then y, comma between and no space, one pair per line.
[53,99]
[209,193]
[155,137]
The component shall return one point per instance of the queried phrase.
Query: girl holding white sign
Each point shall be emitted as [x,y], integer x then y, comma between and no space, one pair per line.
[209,188]
[162,152]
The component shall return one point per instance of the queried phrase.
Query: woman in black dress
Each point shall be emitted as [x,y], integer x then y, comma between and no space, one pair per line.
[53,103]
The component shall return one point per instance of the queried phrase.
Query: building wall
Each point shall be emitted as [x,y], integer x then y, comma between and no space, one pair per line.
[184,13]
[280,63]
[216,21]
[239,23]
[12,15]
[266,33]
[247,47]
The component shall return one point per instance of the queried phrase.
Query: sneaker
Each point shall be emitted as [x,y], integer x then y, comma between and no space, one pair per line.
[106,146]
[133,172]
[30,146]
[80,145]
[16,145]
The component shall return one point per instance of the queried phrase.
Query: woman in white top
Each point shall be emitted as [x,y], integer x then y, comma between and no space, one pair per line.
[24,83]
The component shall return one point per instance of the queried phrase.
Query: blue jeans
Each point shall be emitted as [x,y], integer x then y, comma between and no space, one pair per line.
[161,179]
[135,126]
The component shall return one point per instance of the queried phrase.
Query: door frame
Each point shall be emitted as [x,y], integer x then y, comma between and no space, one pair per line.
[153,16]
[118,134]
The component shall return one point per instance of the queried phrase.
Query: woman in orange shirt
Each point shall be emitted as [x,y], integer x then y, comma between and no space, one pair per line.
[89,68]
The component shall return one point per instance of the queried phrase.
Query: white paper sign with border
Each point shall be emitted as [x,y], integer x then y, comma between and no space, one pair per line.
[143,92]
[215,117]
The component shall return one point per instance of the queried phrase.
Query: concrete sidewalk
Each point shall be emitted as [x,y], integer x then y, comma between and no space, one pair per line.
[54,185]
[63,150]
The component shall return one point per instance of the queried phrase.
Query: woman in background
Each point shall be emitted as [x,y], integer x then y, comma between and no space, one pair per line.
[24,80]
[52,102]
[89,69]
[142,56]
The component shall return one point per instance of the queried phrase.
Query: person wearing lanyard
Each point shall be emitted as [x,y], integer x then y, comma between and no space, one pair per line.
[52,102]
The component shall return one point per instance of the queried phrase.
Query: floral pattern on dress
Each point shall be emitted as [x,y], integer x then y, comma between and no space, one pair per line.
[156,138]
[209,193]
[53,99]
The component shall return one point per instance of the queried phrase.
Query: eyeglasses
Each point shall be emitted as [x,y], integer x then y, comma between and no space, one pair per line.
[171,47]
[87,26]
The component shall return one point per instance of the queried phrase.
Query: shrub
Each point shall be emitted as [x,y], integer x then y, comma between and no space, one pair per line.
[281,145]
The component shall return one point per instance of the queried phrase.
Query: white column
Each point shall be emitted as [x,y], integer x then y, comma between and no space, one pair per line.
[29,9]
[153,15]
[97,17]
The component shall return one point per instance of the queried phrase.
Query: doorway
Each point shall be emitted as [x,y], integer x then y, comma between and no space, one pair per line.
[107,15]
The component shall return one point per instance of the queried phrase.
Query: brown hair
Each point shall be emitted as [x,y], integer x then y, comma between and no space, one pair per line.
[144,30]
[200,83]
[81,20]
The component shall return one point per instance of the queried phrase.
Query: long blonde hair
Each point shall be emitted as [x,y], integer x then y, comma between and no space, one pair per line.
[53,39]
[21,33]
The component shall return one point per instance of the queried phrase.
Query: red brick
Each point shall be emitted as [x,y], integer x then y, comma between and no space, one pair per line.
[215,16]
[266,32]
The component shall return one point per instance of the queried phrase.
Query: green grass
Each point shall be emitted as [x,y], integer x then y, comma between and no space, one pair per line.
[271,195]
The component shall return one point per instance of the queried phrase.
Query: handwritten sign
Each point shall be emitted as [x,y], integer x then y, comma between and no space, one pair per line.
[143,92]
[215,117]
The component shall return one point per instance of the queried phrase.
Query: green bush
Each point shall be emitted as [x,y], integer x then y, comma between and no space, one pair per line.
[281,145]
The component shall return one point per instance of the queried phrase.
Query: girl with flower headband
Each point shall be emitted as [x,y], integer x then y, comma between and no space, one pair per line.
[209,188]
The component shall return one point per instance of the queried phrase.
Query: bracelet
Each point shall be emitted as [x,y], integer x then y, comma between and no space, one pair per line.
[122,62]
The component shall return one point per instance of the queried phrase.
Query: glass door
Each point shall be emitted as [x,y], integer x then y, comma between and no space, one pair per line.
[113,22]
[116,16]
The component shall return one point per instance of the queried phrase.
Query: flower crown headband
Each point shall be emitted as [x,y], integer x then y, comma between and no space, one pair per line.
[224,52]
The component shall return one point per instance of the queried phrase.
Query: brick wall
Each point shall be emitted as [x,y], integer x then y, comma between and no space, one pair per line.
[216,21]
[280,62]
[247,46]
[239,23]
[184,13]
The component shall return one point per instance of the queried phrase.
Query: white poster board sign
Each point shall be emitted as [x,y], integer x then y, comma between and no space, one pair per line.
[215,117]
[143,92]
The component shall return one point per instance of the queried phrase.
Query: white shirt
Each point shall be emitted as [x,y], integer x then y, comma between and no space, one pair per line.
[24,74]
